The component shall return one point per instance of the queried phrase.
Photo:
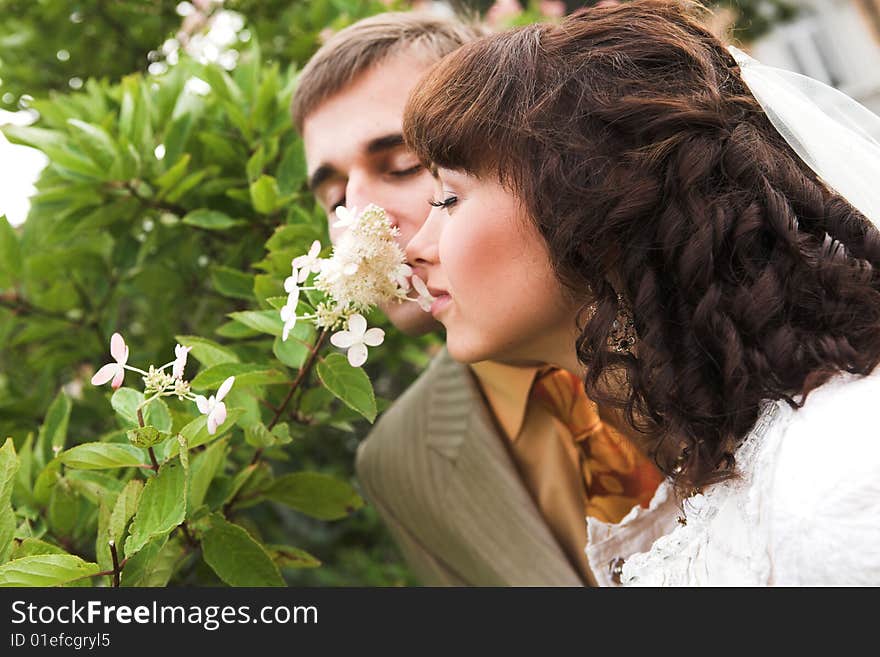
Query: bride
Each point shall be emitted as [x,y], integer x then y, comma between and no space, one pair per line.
[622,196]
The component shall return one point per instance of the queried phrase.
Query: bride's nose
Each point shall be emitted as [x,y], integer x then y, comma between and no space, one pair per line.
[422,248]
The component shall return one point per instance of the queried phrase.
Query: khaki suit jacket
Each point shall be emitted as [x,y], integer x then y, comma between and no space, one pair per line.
[438,472]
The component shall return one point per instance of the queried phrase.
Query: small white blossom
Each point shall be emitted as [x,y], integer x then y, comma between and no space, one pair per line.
[214,407]
[288,316]
[357,338]
[114,371]
[425,298]
[180,353]
[306,264]
[345,218]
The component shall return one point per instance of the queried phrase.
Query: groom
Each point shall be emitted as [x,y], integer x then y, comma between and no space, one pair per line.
[478,480]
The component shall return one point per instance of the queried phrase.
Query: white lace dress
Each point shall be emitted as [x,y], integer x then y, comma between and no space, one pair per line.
[805,509]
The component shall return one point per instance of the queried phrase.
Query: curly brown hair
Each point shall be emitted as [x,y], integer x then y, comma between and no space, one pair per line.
[651,171]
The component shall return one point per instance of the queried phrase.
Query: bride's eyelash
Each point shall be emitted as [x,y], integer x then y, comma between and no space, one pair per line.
[445,203]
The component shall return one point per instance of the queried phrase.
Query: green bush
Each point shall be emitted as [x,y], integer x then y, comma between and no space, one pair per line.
[169,212]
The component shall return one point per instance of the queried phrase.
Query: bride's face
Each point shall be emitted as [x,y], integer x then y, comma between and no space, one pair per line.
[489,268]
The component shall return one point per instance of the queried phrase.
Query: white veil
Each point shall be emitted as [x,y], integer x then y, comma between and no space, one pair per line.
[833,134]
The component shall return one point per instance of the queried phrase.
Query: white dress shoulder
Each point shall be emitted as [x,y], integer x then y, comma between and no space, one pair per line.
[804,510]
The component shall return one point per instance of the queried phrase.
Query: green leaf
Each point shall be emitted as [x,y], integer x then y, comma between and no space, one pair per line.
[125,402]
[350,384]
[264,321]
[233,283]
[94,485]
[237,558]
[205,466]
[126,506]
[294,351]
[257,435]
[298,236]
[8,469]
[63,509]
[318,495]
[265,194]
[211,220]
[10,255]
[196,432]
[174,175]
[148,436]
[45,570]
[46,480]
[99,145]
[207,352]
[53,432]
[162,507]
[154,565]
[287,556]
[292,170]
[31,547]
[235,330]
[100,456]
[246,374]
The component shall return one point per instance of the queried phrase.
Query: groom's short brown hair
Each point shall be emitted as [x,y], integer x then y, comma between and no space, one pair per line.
[364,44]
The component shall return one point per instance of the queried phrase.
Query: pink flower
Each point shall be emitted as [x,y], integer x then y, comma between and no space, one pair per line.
[115,371]
[214,407]
[180,353]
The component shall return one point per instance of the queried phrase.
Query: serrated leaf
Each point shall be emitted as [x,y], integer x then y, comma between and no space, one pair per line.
[100,456]
[53,432]
[8,469]
[162,507]
[233,283]
[205,466]
[315,494]
[31,547]
[207,352]
[237,558]
[45,570]
[63,510]
[264,321]
[127,503]
[350,384]
[246,374]
[211,220]
[154,565]
[145,437]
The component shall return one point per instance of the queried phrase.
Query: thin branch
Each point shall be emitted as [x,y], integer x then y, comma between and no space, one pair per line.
[303,373]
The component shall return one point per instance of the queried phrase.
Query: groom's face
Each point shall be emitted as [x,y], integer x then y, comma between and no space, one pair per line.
[356,156]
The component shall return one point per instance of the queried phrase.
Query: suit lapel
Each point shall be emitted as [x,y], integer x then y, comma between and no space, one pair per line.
[496,534]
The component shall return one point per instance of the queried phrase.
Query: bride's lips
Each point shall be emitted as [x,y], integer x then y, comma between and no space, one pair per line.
[440,302]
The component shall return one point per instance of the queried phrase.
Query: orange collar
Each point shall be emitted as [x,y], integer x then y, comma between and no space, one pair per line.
[507,389]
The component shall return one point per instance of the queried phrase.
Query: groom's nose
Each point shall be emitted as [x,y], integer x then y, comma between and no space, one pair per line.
[422,248]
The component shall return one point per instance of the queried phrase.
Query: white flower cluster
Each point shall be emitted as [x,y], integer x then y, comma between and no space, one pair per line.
[366,268]
[158,383]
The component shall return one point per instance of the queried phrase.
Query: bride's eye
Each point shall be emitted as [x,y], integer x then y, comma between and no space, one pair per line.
[445,203]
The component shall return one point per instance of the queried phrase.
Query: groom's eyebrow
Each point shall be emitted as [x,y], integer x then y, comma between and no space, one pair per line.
[374,146]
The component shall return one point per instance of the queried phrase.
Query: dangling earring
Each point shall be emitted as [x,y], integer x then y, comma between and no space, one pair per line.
[622,337]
